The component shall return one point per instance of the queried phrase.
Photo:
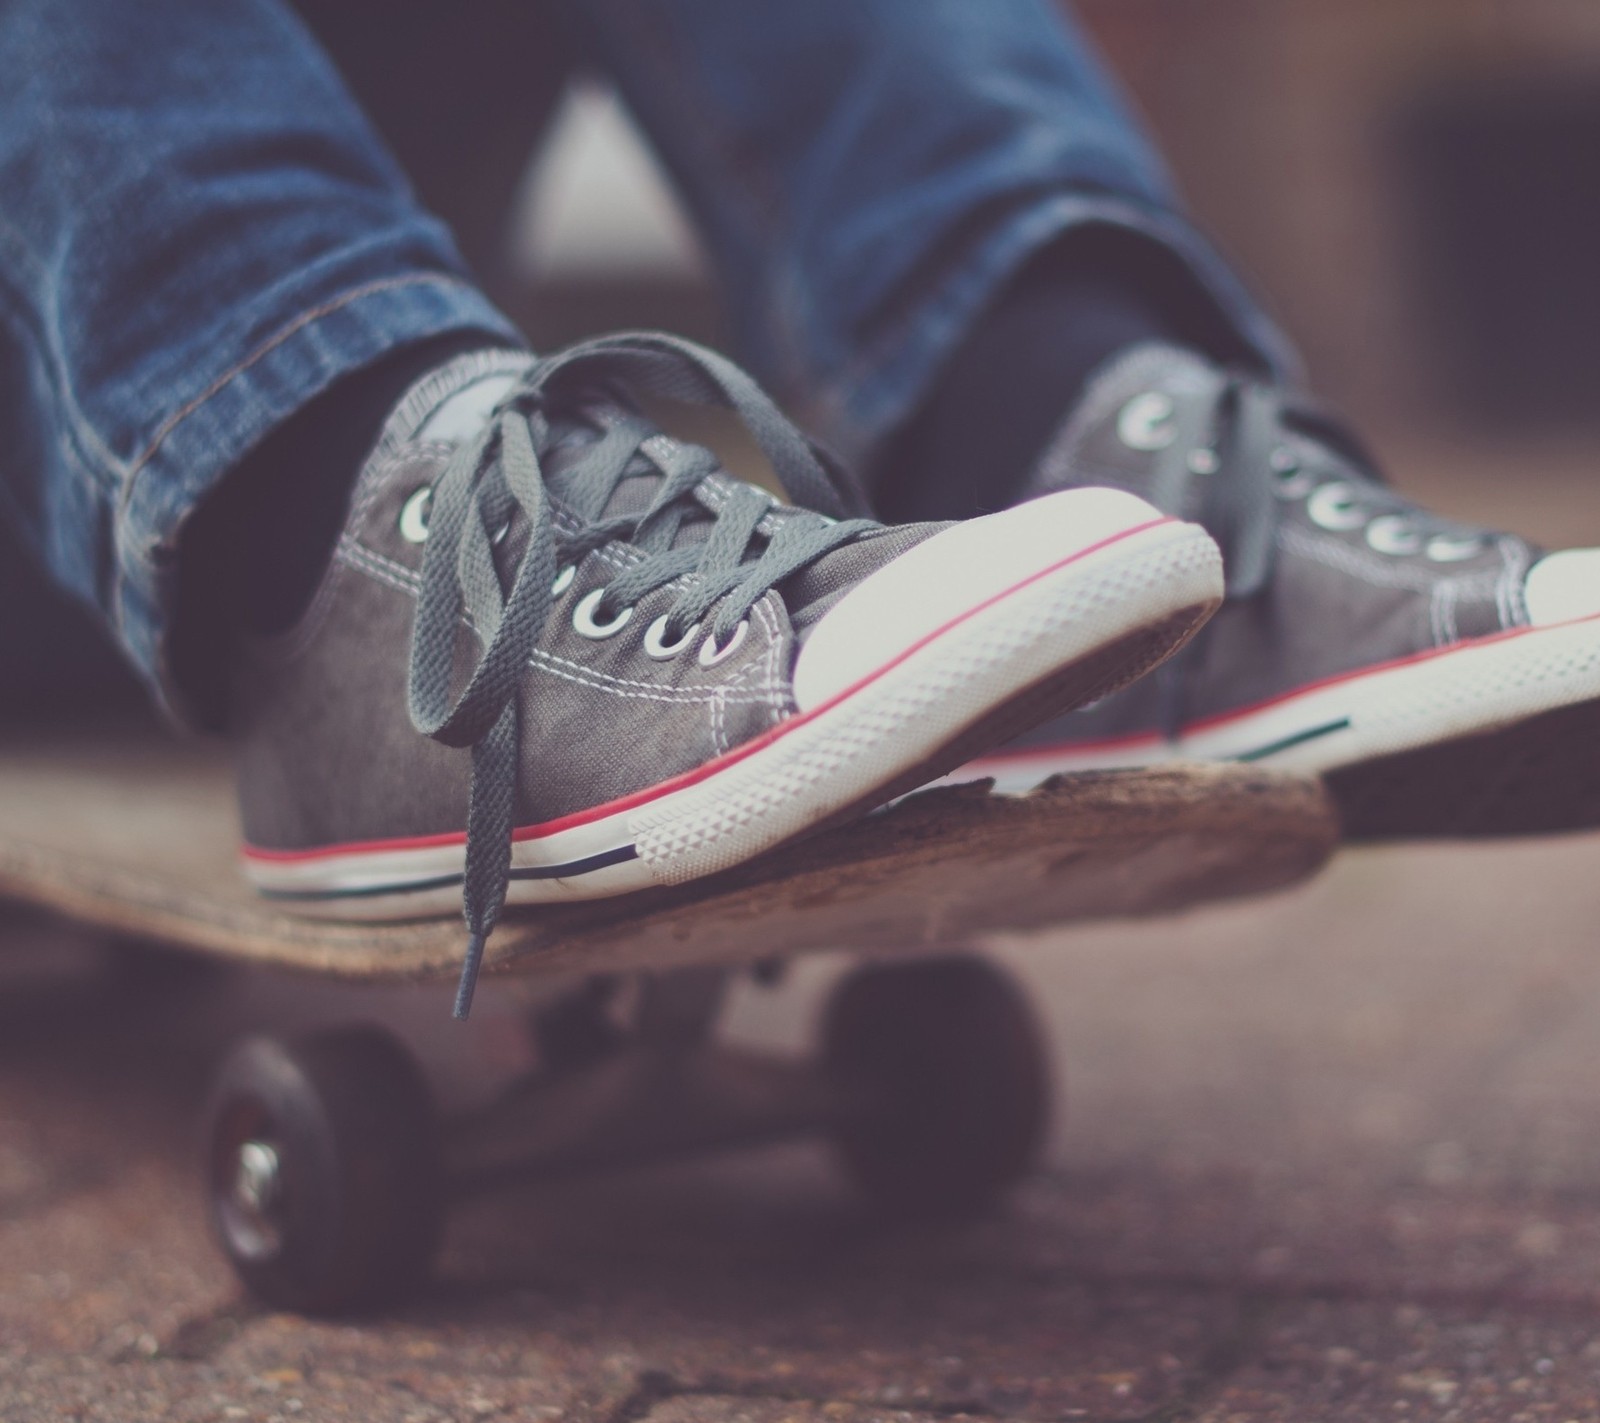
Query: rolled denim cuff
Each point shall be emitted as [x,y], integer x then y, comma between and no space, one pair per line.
[859,406]
[200,442]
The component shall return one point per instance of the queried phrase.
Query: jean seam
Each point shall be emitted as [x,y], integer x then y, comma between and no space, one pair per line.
[284,333]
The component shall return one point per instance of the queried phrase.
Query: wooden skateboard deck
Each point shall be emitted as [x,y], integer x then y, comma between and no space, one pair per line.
[140,839]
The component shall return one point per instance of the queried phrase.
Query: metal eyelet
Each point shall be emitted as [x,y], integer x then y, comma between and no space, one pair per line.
[1393,535]
[1333,508]
[1294,484]
[1293,481]
[1146,422]
[1204,461]
[564,577]
[661,651]
[414,516]
[711,654]
[1445,549]
[583,622]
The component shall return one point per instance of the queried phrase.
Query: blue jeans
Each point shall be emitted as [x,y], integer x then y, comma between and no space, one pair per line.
[201,229]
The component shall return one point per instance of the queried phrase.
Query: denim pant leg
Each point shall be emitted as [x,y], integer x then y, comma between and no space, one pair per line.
[869,172]
[199,232]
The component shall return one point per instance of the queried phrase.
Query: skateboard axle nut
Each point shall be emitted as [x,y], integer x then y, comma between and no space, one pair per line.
[257,1182]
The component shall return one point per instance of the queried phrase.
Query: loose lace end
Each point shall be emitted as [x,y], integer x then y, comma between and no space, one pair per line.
[469,975]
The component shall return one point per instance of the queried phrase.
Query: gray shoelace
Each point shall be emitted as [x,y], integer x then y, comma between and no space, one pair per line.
[499,479]
[1232,453]
[1229,459]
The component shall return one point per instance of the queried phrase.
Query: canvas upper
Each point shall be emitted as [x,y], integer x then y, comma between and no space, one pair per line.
[1359,627]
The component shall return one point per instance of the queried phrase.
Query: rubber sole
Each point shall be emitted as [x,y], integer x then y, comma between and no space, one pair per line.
[1541,776]
[1059,639]
[1492,737]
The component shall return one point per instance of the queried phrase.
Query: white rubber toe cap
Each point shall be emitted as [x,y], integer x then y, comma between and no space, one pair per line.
[950,575]
[1564,586]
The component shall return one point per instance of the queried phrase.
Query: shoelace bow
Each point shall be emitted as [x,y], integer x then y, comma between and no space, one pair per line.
[1229,463]
[500,475]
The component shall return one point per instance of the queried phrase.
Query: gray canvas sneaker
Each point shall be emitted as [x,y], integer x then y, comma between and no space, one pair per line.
[1445,679]
[560,654]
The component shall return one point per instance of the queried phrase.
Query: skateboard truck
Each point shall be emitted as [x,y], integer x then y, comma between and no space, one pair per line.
[329,1171]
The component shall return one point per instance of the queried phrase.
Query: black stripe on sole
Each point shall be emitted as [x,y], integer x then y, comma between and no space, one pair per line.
[587,865]
[1298,739]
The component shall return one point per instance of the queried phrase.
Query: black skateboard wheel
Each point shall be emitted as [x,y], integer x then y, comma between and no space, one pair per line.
[944,1083]
[323,1170]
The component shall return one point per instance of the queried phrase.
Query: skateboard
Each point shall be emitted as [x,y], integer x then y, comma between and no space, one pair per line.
[328,1168]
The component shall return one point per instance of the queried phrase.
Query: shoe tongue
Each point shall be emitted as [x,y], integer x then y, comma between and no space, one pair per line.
[634,493]
[1113,434]
[451,403]
[461,415]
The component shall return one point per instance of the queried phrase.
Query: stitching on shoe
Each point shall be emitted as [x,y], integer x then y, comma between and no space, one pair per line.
[768,663]
[402,580]
[377,478]
[406,580]
[768,692]
[376,566]
[1513,593]
[677,696]
[1377,575]
[622,686]
[1442,614]
[782,700]
[719,740]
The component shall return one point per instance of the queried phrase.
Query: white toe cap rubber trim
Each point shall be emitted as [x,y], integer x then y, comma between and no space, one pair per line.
[949,575]
[1563,587]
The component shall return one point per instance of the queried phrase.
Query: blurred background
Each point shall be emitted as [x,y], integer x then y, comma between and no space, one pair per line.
[1411,185]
